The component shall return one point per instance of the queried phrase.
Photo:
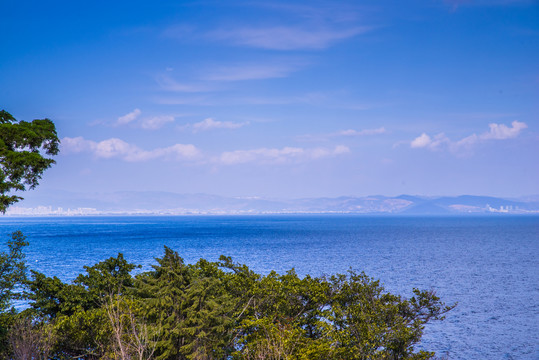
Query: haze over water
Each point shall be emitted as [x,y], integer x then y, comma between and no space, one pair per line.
[489,265]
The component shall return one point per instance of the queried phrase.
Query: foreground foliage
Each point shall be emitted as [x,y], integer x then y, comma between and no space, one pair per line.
[216,310]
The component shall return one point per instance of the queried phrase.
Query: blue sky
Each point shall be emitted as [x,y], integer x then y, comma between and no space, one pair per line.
[280,99]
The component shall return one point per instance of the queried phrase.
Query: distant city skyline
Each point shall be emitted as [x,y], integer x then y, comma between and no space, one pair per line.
[61,203]
[280,99]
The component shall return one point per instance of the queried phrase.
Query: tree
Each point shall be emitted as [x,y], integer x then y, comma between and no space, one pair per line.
[22,145]
[191,305]
[12,275]
[369,323]
[12,268]
[84,317]
[338,317]
[31,339]
[22,164]
[220,310]
[132,337]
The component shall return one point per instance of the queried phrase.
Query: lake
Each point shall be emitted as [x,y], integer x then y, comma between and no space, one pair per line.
[489,265]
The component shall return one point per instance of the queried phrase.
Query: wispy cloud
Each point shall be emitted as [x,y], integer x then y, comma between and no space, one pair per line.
[115,148]
[167,83]
[278,156]
[156,122]
[183,100]
[148,123]
[250,72]
[286,37]
[343,133]
[180,31]
[495,132]
[211,79]
[352,132]
[455,4]
[210,124]
[210,100]
[316,26]
[331,11]
[309,98]
[127,118]
[485,115]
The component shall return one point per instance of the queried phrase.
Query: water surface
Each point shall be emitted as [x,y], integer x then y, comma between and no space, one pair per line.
[489,265]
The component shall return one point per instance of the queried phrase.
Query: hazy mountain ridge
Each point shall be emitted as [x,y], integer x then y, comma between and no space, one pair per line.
[156,202]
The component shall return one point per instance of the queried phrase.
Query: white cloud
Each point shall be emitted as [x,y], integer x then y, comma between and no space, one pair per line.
[425,141]
[117,148]
[422,140]
[114,147]
[434,143]
[127,118]
[496,132]
[284,155]
[75,145]
[210,124]
[501,131]
[156,122]
[286,38]
[148,123]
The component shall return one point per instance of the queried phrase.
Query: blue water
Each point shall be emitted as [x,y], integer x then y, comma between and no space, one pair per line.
[489,265]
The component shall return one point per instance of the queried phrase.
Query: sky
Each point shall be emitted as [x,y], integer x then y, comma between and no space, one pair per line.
[280,99]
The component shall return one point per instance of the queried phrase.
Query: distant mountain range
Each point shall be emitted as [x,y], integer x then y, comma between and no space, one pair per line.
[130,202]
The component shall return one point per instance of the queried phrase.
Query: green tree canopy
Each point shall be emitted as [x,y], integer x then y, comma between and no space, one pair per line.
[221,310]
[22,148]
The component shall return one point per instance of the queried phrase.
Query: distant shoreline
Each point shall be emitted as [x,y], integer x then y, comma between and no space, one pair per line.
[173,204]
[396,215]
